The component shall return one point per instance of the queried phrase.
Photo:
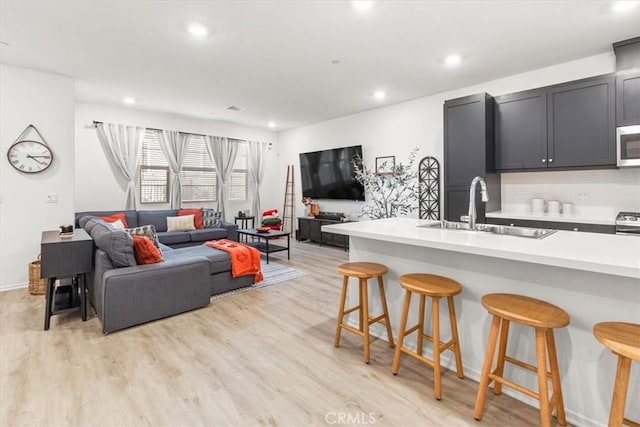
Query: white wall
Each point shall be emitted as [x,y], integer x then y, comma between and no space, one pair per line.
[46,101]
[396,129]
[97,188]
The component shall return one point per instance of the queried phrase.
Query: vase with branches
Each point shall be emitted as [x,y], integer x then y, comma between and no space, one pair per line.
[389,194]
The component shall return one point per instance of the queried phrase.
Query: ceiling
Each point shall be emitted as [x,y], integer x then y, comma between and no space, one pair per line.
[275,57]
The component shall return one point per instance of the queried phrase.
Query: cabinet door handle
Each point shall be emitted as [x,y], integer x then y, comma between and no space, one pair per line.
[512,225]
[544,160]
[575,229]
[550,160]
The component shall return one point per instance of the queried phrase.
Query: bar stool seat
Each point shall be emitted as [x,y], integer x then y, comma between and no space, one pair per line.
[363,271]
[623,339]
[435,287]
[543,317]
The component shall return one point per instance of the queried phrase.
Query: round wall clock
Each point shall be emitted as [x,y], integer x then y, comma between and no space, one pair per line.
[30,156]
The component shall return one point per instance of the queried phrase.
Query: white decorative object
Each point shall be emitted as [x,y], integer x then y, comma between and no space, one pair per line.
[567,209]
[554,207]
[537,206]
[180,223]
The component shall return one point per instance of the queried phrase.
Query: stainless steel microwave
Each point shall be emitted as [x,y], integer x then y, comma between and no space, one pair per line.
[628,146]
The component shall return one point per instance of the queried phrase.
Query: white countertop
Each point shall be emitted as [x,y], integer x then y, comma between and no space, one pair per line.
[602,253]
[585,219]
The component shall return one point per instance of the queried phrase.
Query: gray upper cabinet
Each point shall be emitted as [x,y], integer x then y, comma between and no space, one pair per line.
[521,130]
[565,126]
[628,97]
[468,152]
[581,123]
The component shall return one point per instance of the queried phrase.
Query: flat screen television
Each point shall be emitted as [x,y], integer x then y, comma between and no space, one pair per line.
[329,174]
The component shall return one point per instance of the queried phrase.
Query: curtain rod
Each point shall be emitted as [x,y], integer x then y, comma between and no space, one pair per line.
[96,123]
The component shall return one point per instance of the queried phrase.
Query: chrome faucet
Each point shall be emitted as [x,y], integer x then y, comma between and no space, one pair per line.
[472,199]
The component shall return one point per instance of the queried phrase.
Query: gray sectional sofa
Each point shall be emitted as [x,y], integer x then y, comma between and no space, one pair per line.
[125,294]
[174,239]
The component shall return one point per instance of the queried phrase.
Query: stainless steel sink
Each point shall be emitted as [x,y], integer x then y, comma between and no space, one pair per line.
[448,225]
[531,233]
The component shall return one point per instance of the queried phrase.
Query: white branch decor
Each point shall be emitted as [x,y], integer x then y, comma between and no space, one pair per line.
[390,194]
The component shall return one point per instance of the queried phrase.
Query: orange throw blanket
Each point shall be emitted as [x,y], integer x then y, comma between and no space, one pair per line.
[245,260]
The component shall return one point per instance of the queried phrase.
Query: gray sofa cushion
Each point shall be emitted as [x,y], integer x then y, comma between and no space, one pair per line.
[157,218]
[174,237]
[118,244]
[204,234]
[219,260]
[131,216]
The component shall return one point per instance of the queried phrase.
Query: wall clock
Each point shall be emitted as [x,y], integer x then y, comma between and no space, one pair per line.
[30,156]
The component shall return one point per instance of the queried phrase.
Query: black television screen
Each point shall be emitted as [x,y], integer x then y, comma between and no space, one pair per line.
[329,174]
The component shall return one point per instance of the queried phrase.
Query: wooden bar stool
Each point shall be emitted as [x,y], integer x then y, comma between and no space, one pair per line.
[623,339]
[542,316]
[363,271]
[435,287]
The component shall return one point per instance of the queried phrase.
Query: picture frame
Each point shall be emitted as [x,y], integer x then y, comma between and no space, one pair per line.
[385,165]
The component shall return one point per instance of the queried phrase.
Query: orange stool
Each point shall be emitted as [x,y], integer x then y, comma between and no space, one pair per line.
[363,271]
[623,339]
[542,316]
[435,287]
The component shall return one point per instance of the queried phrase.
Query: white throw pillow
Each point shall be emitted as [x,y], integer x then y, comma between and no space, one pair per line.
[180,223]
[117,224]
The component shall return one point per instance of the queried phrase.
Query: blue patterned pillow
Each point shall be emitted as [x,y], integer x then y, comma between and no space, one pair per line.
[211,218]
[148,231]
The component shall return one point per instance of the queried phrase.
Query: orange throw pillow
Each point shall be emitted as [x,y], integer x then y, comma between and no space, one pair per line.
[197,216]
[145,251]
[113,218]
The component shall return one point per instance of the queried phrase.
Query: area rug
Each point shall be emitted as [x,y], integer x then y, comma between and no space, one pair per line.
[273,273]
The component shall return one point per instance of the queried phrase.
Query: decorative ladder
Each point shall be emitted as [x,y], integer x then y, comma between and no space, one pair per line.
[289,193]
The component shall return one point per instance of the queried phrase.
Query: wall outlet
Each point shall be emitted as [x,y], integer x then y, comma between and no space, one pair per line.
[582,194]
[521,196]
[52,198]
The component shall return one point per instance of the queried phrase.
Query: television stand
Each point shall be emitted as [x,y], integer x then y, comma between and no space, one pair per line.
[310,228]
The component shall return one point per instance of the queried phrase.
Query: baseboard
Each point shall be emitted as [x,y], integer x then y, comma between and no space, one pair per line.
[379,331]
[13,286]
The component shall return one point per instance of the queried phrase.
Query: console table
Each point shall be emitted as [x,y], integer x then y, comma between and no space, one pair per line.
[64,257]
[310,228]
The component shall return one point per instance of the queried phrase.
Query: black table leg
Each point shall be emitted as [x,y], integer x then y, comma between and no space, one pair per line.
[267,244]
[51,281]
[83,297]
[288,246]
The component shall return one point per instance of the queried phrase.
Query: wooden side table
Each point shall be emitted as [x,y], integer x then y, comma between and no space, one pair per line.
[63,257]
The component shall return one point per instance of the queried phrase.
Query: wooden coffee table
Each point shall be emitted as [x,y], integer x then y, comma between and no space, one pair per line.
[262,243]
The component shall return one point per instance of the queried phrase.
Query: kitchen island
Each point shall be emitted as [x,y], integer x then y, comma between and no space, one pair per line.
[594,277]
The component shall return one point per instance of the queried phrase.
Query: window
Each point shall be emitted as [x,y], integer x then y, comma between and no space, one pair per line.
[239,175]
[199,178]
[154,171]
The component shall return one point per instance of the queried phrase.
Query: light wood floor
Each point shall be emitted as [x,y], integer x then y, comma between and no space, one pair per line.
[263,357]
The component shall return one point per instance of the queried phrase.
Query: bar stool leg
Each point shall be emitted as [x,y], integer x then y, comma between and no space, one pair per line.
[360,314]
[456,339]
[401,331]
[486,367]
[385,311]
[541,362]
[420,325]
[435,311]
[502,352]
[555,377]
[364,314]
[616,415]
[343,298]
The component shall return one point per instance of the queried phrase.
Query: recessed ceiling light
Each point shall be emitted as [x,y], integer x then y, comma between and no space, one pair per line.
[624,6]
[197,30]
[335,61]
[236,108]
[362,4]
[272,124]
[379,94]
[5,44]
[452,60]
[128,100]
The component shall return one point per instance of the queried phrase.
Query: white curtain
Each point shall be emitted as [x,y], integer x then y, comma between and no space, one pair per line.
[257,152]
[123,146]
[223,153]
[174,145]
